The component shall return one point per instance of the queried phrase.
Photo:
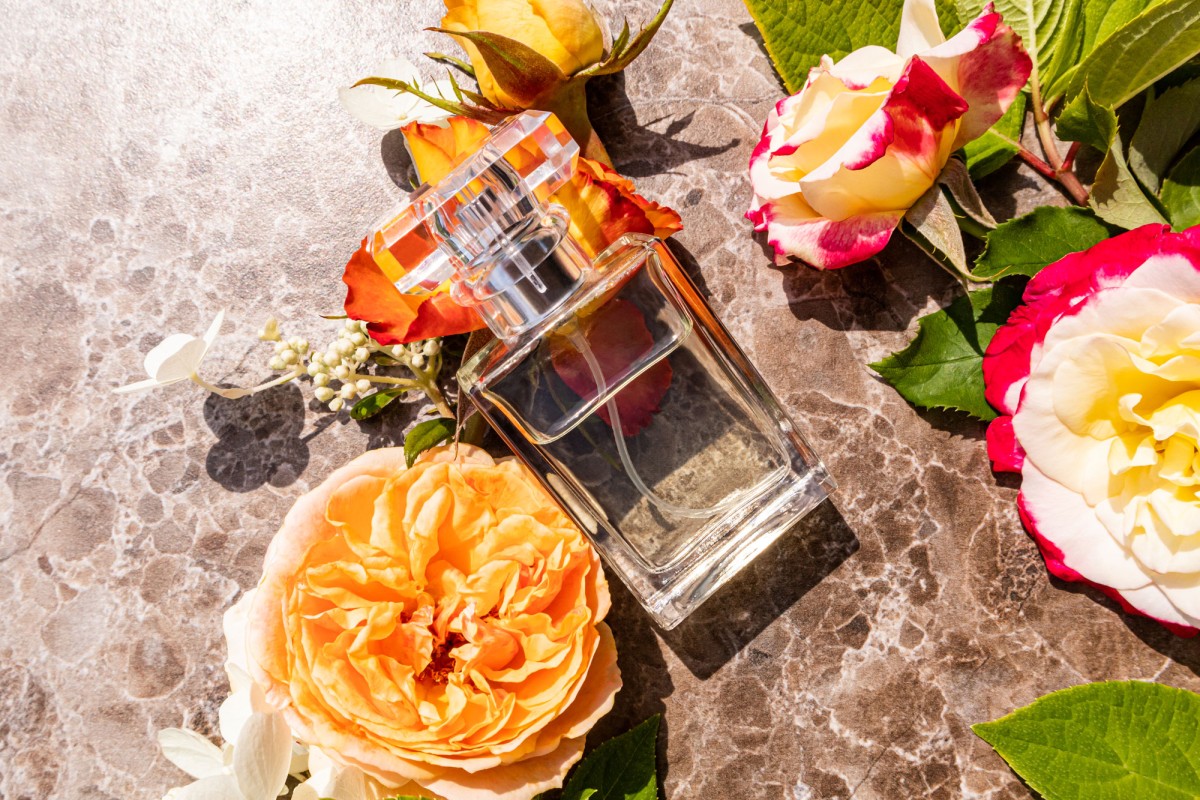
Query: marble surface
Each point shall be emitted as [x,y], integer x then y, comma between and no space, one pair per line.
[165,160]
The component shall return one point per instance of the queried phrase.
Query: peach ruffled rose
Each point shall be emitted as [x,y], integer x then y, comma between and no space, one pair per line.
[438,628]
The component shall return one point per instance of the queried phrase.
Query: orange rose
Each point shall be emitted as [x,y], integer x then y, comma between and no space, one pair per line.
[603,207]
[437,626]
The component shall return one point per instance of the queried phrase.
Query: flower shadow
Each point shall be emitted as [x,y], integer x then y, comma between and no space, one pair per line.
[258,439]
[638,149]
[1183,651]
[763,591]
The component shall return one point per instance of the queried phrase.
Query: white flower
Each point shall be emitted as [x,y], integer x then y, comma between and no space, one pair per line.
[254,767]
[259,751]
[387,109]
[175,358]
[330,779]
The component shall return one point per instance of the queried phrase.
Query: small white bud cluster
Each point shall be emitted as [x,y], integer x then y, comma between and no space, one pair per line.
[341,360]
[416,354]
[288,353]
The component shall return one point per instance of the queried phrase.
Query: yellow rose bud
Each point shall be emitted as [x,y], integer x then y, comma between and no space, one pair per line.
[565,32]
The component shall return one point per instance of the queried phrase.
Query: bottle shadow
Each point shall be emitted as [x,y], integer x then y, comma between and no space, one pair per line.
[763,591]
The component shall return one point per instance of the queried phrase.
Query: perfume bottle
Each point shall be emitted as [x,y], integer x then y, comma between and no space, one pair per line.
[610,377]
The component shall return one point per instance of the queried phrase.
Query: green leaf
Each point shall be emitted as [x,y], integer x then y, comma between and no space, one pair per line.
[1181,191]
[1143,50]
[993,150]
[519,70]
[372,404]
[932,225]
[798,32]
[1117,197]
[427,434]
[1121,739]
[1023,246]
[943,366]
[964,197]
[623,768]
[1168,122]
[1099,20]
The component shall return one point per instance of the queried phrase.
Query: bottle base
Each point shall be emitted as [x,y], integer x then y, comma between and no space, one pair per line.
[674,592]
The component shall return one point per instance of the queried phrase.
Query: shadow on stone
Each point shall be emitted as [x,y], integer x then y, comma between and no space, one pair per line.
[884,293]
[763,591]
[639,150]
[397,161]
[259,439]
[646,680]
[1184,652]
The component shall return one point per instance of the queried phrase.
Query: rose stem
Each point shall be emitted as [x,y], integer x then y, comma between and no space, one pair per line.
[1062,170]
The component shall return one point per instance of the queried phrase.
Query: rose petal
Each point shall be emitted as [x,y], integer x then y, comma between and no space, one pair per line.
[1003,448]
[216,787]
[618,337]
[895,157]
[796,231]
[1060,516]
[919,28]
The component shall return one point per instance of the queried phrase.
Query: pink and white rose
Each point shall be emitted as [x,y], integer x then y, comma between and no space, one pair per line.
[1097,377]
[843,159]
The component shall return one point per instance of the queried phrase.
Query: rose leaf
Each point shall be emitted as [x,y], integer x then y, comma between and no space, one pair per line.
[932,225]
[372,404]
[1117,197]
[429,433]
[1138,53]
[1181,191]
[1169,120]
[942,368]
[1024,245]
[1116,739]
[623,768]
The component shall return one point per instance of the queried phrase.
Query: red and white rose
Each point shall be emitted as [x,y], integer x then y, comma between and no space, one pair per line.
[843,159]
[1097,377]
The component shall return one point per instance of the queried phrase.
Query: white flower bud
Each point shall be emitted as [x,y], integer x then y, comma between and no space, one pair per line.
[301,345]
[432,347]
[314,368]
[336,404]
[351,325]
[362,354]
[345,348]
[359,339]
[348,391]
[418,360]
[398,351]
[323,393]
[281,346]
[321,379]
[363,385]
[289,357]
[341,371]
[276,363]
[270,331]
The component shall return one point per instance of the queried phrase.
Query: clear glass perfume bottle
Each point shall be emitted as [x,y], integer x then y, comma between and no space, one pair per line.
[610,378]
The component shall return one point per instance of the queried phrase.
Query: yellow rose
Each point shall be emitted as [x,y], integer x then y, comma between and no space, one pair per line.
[438,628]
[566,32]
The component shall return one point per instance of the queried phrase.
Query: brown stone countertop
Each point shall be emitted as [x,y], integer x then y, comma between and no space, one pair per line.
[162,161]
